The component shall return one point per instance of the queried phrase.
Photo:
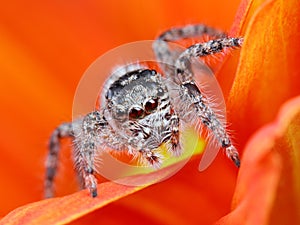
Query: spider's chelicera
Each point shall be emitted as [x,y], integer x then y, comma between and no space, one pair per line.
[142,108]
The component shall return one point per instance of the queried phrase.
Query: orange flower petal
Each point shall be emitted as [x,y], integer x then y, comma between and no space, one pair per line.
[65,209]
[268,72]
[226,72]
[268,187]
[71,207]
[244,14]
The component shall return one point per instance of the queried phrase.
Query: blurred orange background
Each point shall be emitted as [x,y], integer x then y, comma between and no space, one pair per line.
[45,47]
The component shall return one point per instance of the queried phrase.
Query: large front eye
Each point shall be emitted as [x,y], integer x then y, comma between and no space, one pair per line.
[136,113]
[151,105]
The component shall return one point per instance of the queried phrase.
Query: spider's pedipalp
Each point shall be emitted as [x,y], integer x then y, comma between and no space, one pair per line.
[151,157]
[175,142]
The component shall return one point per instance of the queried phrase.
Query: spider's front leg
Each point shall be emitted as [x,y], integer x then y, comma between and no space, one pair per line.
[87,142]
[183,64]
[192,93]
[209,118]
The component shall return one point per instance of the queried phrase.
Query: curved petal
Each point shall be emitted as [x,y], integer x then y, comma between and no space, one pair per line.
[227,70]
[268,71]
[65,209]
[268,185]
[244,14]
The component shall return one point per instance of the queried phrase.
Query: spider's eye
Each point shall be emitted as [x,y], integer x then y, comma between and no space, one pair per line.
[120,115]
[151,105]
[136,113]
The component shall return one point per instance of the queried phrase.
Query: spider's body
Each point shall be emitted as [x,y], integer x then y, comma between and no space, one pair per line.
[141,109]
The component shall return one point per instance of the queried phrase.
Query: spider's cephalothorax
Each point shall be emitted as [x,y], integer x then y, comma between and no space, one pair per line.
[138,108]
[141,109]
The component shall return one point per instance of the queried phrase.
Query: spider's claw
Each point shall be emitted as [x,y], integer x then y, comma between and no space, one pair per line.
[236,161]
[233,154]
[94,193]
[91,184]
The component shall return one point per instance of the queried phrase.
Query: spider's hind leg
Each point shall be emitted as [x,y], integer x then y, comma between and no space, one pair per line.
[190,31]
[167,54]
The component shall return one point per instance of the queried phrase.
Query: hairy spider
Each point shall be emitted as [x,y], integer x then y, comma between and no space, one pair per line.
[139,113]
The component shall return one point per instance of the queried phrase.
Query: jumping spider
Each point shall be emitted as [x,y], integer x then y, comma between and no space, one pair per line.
[139,113]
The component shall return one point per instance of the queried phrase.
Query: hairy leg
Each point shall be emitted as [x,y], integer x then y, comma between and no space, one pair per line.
[63,131]
[88,141]
[167,53]
[170,56]
[190,31]
[183,63]
[205,113]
